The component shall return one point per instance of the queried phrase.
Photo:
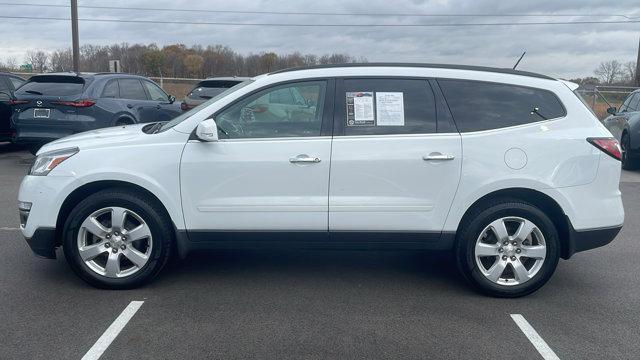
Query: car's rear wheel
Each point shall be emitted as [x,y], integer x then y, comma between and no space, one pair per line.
[117,239]
[124,121]
[508,249]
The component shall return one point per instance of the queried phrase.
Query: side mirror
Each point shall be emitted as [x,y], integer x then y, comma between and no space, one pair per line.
[612,110]
[171,99]
[207,131]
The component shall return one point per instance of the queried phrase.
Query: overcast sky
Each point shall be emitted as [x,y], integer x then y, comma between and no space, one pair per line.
[557,50]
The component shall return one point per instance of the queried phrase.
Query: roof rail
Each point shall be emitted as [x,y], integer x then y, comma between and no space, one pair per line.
[419,65]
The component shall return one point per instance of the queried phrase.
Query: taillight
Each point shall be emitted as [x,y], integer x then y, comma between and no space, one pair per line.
[609,146]
[184,106]
[77,103]
[18,102]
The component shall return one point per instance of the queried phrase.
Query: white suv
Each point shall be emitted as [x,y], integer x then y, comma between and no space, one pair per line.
[507,169]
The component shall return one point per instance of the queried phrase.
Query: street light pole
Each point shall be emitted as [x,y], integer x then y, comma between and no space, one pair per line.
[74,36]
[638,67]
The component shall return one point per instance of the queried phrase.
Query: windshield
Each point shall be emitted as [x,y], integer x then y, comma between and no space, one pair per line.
[188,114]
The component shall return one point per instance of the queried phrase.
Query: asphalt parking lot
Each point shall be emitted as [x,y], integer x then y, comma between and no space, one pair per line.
[316,305]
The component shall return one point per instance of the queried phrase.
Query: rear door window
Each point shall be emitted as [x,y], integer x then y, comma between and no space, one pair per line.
[51,85]
[131,89]
[388,106]
[111,90]
[478,105]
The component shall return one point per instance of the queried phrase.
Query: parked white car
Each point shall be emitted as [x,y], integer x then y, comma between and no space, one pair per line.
[507,169]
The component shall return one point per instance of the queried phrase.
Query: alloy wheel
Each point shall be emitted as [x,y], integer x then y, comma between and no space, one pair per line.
[510,251]
[114,242]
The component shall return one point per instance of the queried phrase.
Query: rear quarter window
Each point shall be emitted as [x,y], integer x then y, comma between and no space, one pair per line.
[477,105]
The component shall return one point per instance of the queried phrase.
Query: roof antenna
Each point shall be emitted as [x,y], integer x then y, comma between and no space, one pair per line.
[518,62]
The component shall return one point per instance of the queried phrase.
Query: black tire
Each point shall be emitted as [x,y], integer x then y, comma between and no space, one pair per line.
[33,148]
[473,228]
[628,162]
[124,121]
[159,225]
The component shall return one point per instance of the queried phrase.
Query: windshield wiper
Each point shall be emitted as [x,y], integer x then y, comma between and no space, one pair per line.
[537,112]
[33,92]
[155,128]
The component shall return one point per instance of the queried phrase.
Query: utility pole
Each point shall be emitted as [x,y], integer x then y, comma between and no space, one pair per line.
[638,66]
[74,36]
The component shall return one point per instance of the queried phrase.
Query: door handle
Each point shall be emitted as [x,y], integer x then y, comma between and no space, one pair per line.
[304,159]
[158,106]
[436,156]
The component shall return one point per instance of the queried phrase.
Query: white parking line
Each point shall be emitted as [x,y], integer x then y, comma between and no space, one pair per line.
[535,339]
[112,332]
[4,228]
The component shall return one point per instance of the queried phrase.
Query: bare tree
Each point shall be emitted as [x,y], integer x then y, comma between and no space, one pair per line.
[178,60]
[62,60]
[193,63]
[9,65]
[630,72]
[38,59]
[609,71]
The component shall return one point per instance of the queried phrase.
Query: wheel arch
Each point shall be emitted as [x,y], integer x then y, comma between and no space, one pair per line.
[87,189]
[539,199]
[124,117]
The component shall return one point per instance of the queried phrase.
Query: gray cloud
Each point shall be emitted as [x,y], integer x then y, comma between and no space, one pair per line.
[559,50]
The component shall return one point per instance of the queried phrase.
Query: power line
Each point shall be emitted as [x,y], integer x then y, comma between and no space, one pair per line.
[314,13]
[326,25]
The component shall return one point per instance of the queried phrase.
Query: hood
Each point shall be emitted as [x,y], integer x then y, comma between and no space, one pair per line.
[98,138]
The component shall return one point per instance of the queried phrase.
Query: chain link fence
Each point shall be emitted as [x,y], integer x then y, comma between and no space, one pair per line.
[602,97]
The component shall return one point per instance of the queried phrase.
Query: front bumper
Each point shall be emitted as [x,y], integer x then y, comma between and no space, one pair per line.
[43,243]
[39,199]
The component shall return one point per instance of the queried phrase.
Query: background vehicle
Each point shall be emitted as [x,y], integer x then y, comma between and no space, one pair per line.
[52,106]
[392,137]
[624,124]
[206,89]
[8,84]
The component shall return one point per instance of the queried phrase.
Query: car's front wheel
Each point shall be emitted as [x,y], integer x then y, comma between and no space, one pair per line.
[117,239]
[508,249]
[628,162]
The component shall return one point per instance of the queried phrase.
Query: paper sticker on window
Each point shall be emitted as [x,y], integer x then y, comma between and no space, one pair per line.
[360,108]
[390,108]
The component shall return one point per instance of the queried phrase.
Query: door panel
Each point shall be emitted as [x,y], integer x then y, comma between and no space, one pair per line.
[253,185]
[398,175]
[262,175]
[383,183]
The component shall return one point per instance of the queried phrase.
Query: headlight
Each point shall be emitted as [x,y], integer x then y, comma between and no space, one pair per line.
[48,161]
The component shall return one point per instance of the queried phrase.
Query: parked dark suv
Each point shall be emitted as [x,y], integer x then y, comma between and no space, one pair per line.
[52,106]
[8,84]
[624,124]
